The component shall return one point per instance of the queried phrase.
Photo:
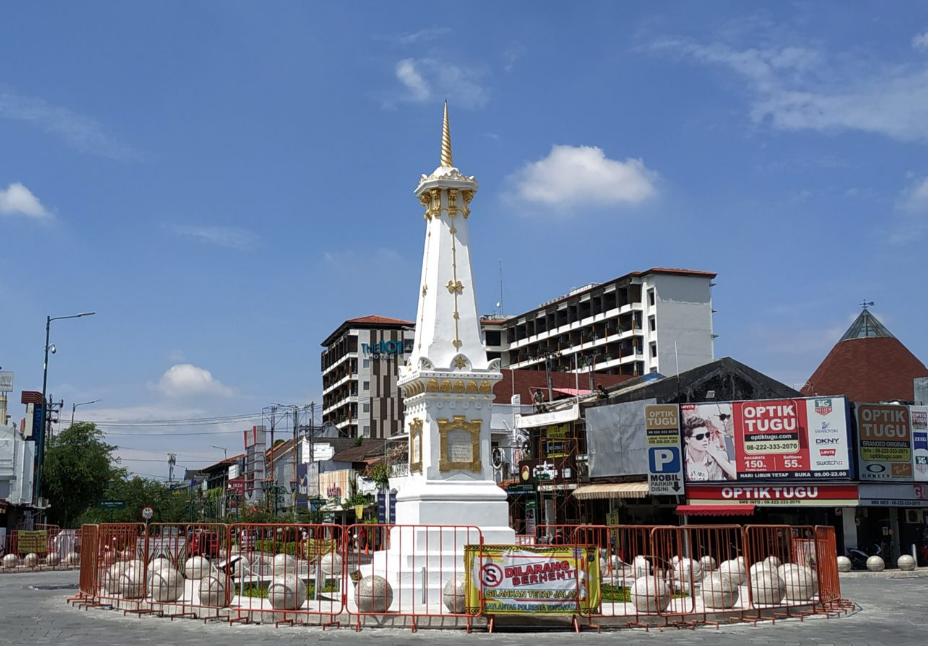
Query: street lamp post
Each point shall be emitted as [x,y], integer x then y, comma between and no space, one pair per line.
[74,407]
[225,451]
[40,450]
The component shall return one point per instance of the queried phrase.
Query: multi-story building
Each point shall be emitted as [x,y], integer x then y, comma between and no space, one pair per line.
[659,320]
[360,365]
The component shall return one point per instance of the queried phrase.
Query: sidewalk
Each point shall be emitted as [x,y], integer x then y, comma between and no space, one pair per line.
[894,573]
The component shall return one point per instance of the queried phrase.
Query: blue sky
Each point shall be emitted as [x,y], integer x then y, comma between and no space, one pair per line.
[224,183]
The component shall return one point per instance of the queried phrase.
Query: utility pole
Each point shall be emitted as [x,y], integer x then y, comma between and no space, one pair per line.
[172,460]
[295,448]
[273,487]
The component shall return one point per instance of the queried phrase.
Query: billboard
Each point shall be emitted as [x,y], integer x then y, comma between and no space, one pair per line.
[788,439]
[823,495]
[884,442]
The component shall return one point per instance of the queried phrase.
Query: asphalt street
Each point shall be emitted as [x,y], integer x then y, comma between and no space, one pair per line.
[892,611]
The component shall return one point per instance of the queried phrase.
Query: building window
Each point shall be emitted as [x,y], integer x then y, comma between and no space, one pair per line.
[653,350]
[366,385]
[367,363]
[366,408]
[366,431]
[652,324]
[651,297]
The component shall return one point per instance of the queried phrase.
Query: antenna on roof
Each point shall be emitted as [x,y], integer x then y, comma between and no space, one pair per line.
[867,304]
[499,304]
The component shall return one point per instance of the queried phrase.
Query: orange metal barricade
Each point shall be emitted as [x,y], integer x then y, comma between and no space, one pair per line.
[287,573]
[826,567]
[39,549]
[418,564]
[121,567]
[88,587]
[781,570]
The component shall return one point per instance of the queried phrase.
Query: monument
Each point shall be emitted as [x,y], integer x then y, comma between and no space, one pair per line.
[448,393]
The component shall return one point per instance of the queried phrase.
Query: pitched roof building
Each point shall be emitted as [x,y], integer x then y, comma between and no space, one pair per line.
[868,364]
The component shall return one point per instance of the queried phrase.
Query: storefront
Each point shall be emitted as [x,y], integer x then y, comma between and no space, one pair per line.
[891,516]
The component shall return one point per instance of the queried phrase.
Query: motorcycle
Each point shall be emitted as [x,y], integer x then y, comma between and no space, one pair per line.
[859,556]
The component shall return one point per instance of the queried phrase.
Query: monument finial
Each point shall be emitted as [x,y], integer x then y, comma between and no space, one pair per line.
[446,140]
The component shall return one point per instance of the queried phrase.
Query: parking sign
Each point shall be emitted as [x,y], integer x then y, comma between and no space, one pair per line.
[665,466]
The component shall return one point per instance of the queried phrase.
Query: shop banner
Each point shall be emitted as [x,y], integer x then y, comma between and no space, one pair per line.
[840,495]
[789,439]
[665,466]
[918,416]
[518,579]
[885,442]
[893,495]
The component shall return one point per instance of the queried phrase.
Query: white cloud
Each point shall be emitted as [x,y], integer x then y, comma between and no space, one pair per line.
[512,54]
[233,237]
[186,380]
[913,223]
[421,36]
[572,176]
[17,199]
[798,88]
[81,132]
[426,78]
[409,76]
[920,41]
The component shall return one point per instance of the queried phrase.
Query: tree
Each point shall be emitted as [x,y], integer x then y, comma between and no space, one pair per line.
[170,505]
[77,471]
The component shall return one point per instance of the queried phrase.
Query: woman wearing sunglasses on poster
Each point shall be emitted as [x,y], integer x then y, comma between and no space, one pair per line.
[705,460]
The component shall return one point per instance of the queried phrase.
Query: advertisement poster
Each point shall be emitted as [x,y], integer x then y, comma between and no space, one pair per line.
[918,416]
[790,439]
[665,467]
[885,442]
[32,542]
[517,579]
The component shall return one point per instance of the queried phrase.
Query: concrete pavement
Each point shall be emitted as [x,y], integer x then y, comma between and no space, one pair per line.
[893,611]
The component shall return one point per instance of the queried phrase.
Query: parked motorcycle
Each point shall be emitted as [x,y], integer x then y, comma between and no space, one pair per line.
[859,556]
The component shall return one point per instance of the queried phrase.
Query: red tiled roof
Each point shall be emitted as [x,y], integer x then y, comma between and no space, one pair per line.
[870,369]
[528,381]
[374,319]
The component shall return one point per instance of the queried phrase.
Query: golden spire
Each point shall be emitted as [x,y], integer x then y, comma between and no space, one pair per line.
[446,141]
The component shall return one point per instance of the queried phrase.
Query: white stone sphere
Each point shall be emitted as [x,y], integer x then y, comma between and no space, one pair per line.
[767,588]
[111,578]
[876,564]
[165,584]
[801,582]
[131,584]
[331,564]
[452,595]
[759,568]
[675,560]
[719,592]
[31,560]
[10,561]
[72,559]
[198,567]
[213,592]
[650,594]
[708,564]
[160,563]
[641,566]
[733,571]
[135,564]
[906,563]
[242,566]
[773,561]
[373,594]
[685,568]
[844,564]
[53,559]
[286,593]
[785,569]
[284,565]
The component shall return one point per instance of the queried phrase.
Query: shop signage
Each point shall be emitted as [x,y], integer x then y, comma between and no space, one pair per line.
[387,348]
[894,495]
[918,416]
[665,461]
[515,580]
[821,495]
[553,471]
[520,488]
[35,542]
[6,381]
[237,485]
[885,442]
[789,439]
[112,504]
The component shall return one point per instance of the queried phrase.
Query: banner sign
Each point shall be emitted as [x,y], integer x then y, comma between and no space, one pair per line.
[789,439]
[841,495]
[521,579]
[665,462]
[32,542]
[893,495]
[918,416]
[885,442]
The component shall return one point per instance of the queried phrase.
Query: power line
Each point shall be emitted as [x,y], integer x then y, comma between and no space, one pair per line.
[181,433]
[191,421]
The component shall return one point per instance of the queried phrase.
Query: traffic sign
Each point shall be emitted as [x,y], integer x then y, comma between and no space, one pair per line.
[112,504]
[147,513]
[665,463]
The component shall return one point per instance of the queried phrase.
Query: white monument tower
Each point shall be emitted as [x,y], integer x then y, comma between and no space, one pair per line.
[447,381]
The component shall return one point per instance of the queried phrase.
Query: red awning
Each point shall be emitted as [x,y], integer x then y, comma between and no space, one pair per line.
[715,510]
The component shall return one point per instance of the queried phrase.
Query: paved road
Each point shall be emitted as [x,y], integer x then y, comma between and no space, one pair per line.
[893,612]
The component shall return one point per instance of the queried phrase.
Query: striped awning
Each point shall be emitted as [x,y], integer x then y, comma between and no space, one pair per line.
[612,490]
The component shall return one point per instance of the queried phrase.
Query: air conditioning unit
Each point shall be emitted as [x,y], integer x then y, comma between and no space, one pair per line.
[914,516]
